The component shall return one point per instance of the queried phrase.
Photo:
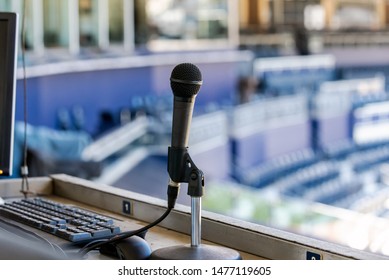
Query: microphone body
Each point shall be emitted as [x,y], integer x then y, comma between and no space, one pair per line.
[185,82]
[182,118]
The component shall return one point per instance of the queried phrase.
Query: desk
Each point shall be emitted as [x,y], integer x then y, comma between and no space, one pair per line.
[252,240]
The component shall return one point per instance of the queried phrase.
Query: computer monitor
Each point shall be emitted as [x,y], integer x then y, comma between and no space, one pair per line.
[8,64]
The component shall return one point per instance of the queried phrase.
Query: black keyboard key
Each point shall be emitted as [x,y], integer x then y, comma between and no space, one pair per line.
[79,222]
[72,235]
[114,229]
[50,228]
[96,231]
[58,220]
[33,222]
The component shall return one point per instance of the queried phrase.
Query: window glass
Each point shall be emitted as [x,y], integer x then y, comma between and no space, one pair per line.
[116,21]
[88,26]
[55,23]
[187,20]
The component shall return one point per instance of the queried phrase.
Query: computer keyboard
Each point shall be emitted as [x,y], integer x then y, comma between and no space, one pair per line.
[68,222]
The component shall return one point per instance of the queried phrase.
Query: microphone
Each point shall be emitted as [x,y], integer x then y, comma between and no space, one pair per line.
[185,82]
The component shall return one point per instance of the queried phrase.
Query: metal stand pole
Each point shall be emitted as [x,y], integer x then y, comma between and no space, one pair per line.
[196,222]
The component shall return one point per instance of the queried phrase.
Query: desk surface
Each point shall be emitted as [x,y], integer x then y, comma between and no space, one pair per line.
[251,240]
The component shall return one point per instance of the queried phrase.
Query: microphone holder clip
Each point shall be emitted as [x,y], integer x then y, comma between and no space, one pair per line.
[182,169]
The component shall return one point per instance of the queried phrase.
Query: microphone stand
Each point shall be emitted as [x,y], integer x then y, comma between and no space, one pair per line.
[182,169]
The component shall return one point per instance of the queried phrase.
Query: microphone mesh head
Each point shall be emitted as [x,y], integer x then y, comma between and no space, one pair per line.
[185,80]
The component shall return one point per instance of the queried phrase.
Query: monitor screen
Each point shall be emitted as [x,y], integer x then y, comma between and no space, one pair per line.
[8,53]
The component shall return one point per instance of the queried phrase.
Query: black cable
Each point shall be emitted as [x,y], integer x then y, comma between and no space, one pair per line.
[172,194]
[96,244]
[25,188]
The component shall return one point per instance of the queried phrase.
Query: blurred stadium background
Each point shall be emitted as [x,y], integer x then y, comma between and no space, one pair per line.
[291,126]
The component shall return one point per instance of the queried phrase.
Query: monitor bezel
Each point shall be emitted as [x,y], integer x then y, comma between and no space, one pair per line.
[8,107]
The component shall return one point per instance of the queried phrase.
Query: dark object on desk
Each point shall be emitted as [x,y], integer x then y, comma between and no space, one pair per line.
[19,244]
[132,248]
